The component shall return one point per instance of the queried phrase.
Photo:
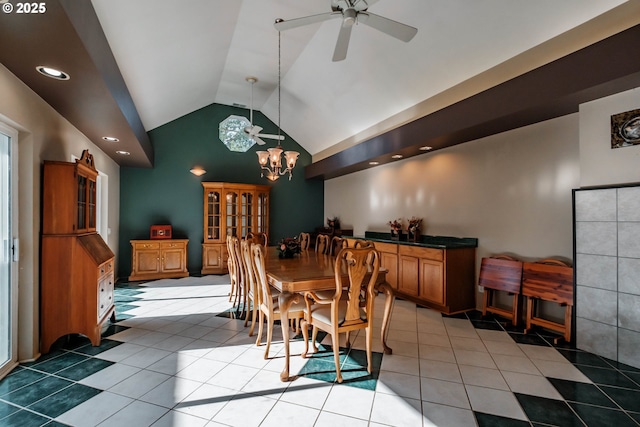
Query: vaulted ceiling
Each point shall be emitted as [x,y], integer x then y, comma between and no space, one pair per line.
[152,61]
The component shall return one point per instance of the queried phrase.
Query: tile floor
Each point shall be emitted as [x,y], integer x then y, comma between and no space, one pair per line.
[176,358]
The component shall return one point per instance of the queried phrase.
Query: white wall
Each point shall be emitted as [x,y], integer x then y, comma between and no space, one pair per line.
[599,164]
[512,191]
[43,135]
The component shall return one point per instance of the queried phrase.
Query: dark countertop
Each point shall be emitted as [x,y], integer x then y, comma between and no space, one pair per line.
[436,242]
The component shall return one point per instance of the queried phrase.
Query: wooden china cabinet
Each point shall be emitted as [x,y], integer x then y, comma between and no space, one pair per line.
[77,271]
[231,210]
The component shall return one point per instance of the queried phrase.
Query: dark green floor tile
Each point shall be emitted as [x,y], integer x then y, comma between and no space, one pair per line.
[627,399]
[595,416]
[24,419]
[36,391]
[121,308]
[75,341]
[483,324]
[6,410]
[581,392]
[532,339]
[634,376]
[621,366]
[358,358]
[548,411]
[319,369]
[360,378]
[122,298]
[583,358]
[51,355]
[487,420]
[16,380]
[607,376]
[635,416]
[84,369]
[105,345]
[123,316]
[64,400]
[114,329]
[59,363]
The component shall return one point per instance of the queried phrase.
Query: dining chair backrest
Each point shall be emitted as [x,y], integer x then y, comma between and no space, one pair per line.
[260,271]
[258,237]
[362,266]
[245,249]
[239,264]
[230,261]
[337,243]
[322,244]
[304,240]
[363,244]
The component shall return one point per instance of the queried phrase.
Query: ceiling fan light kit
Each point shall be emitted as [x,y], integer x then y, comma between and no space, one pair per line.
[352,12]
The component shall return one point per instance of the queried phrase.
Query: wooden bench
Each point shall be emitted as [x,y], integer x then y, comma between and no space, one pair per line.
[548,280]
[501,273]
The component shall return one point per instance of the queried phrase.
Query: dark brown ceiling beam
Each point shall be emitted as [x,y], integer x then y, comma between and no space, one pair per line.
[94,100]
[550,91]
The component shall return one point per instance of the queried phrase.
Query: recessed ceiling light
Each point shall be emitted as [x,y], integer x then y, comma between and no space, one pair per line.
[124,153]
[374,163]
[396,156]
[110,138]
[426,148]
[52,72]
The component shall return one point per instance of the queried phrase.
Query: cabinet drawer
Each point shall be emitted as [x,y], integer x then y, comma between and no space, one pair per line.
[418,252]
[105,295]
[386,247]
[105,268]
[150,245]
[173,245]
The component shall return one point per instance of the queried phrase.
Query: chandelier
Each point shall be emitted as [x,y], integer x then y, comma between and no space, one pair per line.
[271,160]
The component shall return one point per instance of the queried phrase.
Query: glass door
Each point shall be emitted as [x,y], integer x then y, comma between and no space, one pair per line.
[8,233]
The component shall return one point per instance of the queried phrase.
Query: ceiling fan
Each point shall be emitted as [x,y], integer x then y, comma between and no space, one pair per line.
[254,130]
[352,12]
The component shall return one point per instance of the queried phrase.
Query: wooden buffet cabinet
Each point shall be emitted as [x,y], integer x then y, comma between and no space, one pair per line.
[77,266]
[439,274]
[231,210]
[158,259]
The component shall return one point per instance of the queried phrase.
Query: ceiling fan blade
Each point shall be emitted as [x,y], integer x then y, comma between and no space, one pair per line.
[363,4]
[342,44]
[299,22]
[257,140]
[388,26]
[270,136]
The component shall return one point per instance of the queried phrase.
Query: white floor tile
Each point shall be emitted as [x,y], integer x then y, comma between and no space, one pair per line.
[307,392]
[288,414]
[139,414]
[562,370]
[172,364]
[95,410]
[145,357]
[444,392]
[474,358]
[201,370]
[467,343]
[225,353]
[120,352]
[440,370]
[349,401]
[504,347]
[399,384]
[542,353]
[206,401]
[267,384]
[483,377]
[401,364]
[139,383]
[434,339]
[495,402]
[329,419]
[515,364]
[179,419]
[236,412]
[109,376]
[441,354]
[396,411]
[171,392]
[233,376]
[435,415]
[534,385]
[173,343]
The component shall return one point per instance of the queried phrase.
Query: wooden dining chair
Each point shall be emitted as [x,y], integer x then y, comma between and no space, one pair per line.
[268,299]
[322,244]
[234,294]
[258,237]
[356,272]
[304,239]
[337,243]
[241,276]
[363,244]
[252,293]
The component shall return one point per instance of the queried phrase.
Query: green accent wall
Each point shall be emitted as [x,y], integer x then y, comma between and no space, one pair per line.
[170,194]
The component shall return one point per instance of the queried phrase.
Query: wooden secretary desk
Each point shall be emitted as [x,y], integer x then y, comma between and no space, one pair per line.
[231,210]
[76,277]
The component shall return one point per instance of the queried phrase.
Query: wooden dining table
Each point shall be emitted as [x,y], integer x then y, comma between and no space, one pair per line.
[311,271]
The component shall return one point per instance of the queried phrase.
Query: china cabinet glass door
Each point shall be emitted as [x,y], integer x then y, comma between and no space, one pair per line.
[246,213]
[213,215]
[263,212]
[232,213]
[82,202]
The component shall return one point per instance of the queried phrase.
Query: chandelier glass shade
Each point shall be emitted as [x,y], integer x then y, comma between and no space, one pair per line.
[271,160]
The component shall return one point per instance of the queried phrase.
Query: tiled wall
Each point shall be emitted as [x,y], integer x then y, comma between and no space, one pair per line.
[607,266]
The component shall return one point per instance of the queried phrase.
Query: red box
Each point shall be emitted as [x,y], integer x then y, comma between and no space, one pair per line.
[161,231]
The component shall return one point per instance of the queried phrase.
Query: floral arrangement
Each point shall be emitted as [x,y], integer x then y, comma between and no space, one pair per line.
[288,247]
[333,223]
[414,224]
[396,224]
